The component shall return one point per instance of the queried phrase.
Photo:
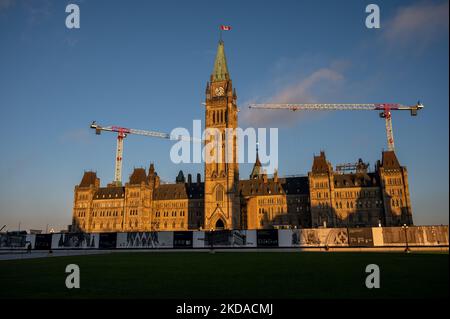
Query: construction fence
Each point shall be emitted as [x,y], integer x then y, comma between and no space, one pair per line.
[413,236]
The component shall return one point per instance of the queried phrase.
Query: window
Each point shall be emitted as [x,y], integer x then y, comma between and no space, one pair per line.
[219,193]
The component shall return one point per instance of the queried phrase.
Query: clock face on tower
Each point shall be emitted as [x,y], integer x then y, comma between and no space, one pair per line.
[219,91]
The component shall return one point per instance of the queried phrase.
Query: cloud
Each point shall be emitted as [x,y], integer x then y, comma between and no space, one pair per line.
[417,25]
[304,91]
[79,135]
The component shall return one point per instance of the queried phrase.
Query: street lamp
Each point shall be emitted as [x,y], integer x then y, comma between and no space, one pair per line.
[211,239]
[405,228]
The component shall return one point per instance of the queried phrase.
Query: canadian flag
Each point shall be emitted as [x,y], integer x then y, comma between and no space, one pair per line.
[225,27]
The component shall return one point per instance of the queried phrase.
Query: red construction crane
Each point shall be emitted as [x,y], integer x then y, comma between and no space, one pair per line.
[385,113]
[122,132]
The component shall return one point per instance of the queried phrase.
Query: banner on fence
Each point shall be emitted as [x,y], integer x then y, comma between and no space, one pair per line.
[182,239]
[107,241]
[75,240]
[267,238]
[360,237]
[313,237]
[145,240]
[43,242]
[414,235]
[13,240]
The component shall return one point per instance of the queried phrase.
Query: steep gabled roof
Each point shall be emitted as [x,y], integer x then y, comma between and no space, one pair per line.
[320,164]
[138,176]
[89,178]
[389,160]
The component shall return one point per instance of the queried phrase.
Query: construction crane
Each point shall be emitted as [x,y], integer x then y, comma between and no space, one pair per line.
[122,132]
[384,109]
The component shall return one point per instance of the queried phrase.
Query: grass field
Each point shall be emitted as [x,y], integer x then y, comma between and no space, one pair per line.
[228,275]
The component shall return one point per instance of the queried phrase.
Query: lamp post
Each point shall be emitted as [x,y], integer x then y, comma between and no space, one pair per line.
[405,228]
[211,239]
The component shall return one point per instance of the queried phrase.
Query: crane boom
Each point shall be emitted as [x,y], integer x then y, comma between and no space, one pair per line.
[339,106]
[384,108]
[122,132]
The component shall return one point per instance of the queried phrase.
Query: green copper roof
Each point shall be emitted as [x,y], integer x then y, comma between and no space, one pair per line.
[220,72]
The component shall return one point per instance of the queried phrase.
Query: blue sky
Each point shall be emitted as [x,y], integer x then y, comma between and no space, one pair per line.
[144,64]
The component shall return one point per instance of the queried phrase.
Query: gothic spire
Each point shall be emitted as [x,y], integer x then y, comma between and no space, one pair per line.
[257,167]
[220,72]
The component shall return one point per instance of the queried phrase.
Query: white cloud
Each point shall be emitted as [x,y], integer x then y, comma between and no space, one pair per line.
[80,135]
[304,91]
[417,25]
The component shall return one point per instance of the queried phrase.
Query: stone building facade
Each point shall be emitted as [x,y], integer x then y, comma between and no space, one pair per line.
[323,198]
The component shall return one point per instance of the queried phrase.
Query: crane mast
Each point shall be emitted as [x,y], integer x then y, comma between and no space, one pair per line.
[384,108]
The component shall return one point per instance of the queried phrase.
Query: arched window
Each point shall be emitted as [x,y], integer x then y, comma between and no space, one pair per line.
[219,193]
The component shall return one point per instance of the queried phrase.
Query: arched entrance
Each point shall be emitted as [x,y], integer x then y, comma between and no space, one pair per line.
[220,224]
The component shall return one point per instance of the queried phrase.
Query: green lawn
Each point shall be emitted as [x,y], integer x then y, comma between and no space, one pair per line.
[228,275]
